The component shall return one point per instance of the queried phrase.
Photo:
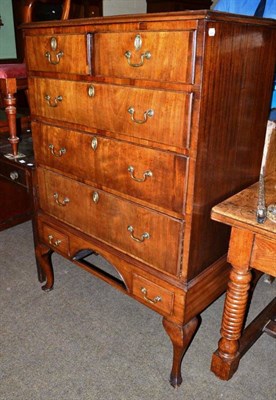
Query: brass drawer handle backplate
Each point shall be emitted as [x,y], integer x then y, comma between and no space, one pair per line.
[61,203]
[155,300]
[144,56]
[91,91]
[144,236]
[53,44]
[95,197]
[58,153]
[52,242]
[146,174]
[53,103]
[148,113]
[94,143]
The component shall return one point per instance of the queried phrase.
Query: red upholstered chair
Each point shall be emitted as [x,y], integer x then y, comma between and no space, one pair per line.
[13,77]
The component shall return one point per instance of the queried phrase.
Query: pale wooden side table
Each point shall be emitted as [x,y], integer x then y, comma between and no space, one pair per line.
[252,245]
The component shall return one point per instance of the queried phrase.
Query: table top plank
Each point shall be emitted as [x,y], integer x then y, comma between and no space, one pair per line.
[240,209]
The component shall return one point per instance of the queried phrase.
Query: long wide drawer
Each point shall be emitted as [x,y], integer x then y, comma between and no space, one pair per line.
[142,173]
[155,115]
[58,53]
[146,55]
[143,234]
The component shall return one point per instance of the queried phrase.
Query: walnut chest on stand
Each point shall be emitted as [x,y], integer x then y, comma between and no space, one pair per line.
[140,125]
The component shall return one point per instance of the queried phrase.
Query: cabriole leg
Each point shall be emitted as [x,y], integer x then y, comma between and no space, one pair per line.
[44,260]
[181,337]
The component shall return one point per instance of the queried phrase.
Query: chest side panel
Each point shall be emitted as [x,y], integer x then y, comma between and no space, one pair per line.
[235,105]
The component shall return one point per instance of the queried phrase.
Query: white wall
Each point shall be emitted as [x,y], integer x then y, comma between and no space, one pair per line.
[117,7]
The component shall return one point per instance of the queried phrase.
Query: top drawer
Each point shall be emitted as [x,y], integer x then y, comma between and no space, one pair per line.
[57,53]
[166,56]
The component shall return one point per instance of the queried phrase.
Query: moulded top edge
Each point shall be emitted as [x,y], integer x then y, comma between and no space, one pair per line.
[155,17]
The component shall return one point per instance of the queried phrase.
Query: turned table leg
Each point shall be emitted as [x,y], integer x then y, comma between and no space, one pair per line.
[226,359]
[9,89]
[44,260]
[10,109]
[181,337]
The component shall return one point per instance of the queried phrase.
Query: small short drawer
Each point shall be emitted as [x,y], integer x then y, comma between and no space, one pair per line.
[13,173]
[146,55]
[57,53]
[152,294]
[55,239]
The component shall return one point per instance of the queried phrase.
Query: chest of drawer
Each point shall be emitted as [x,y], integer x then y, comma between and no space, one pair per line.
[140,172]
[146,235]
[155,115]
[146,55]
[13,173]
[57,53]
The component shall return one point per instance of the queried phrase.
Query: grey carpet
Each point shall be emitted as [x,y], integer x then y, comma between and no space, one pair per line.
[87,341]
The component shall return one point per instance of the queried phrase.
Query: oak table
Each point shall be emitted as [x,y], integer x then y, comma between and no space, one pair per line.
[252,245]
